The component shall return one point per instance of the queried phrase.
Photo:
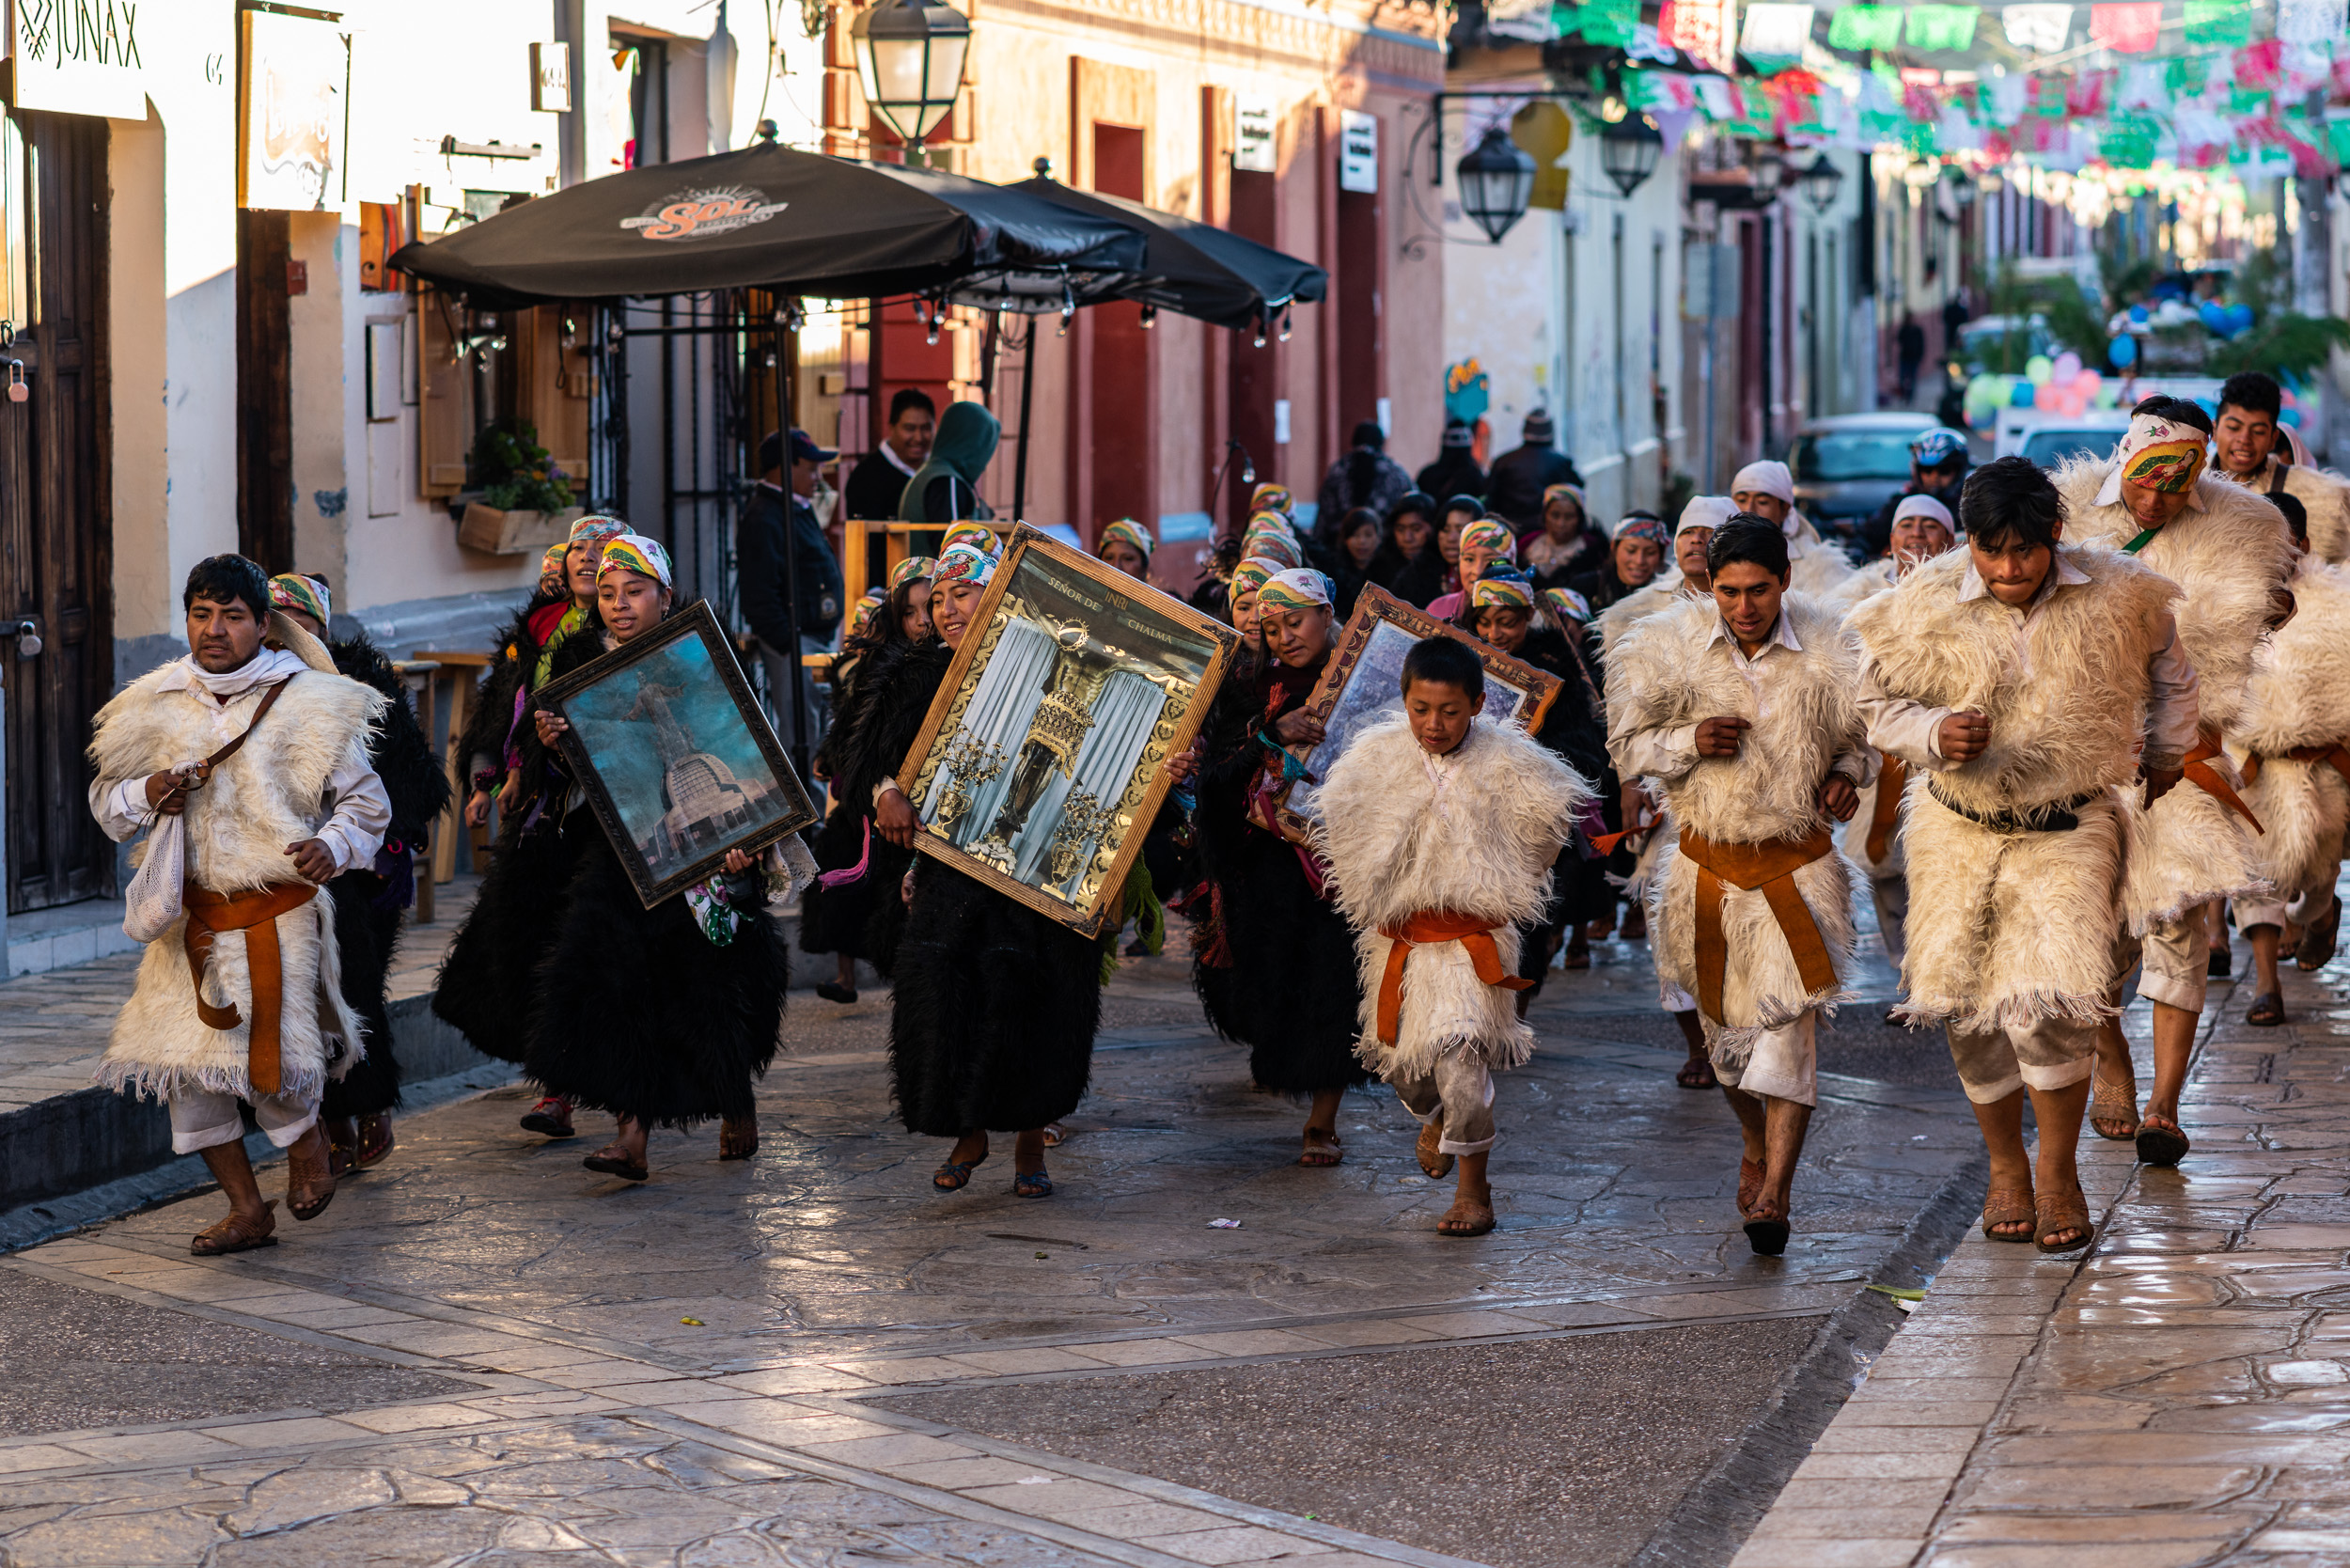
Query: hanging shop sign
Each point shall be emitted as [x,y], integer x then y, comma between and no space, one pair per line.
[1252,134]
[77,57]
[1359,151]
[294,115]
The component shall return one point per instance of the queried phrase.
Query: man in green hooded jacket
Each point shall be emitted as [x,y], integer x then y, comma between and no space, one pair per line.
[947,488]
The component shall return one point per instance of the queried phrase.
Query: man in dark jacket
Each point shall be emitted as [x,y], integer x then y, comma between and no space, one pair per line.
[880,477]
[1366,476]
[1514,487]
[774,522]
[1455,471]
[1937,468]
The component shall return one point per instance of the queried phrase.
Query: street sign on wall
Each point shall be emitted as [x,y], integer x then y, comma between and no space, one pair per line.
[1253,150]
[1359,151]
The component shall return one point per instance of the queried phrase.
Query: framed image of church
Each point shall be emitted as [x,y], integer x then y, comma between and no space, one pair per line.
[676,756]
[1041,763]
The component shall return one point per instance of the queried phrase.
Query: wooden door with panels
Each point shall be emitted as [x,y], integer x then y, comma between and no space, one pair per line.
[56,636]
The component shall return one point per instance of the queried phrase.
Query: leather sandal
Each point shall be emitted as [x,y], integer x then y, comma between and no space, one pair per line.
[738,1140]
[1435,1161]
[2065,1212]
[375,1141]
[1466,1217]
[2316,949]
[1696,1073]
[236,1234]
[342,1146]
[2009,1206]
[2160,1141]
[2268,1009]
[955,1175]
[2114,1104]
[1767,1234]
[1751,1177]
[1322,1148]
[1031,1184]
[550,1118]
[310,1180]
[611,1160]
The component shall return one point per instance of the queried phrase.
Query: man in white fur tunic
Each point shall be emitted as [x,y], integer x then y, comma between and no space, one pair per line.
[1766,488]
[2232,557]
[1440,828]
[241,997]
[1741,709]
[2023,680]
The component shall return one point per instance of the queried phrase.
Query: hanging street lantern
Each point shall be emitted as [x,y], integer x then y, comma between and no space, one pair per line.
[1628,150]
[909,61]
[1820,183]
[1770,173]
[1497,182]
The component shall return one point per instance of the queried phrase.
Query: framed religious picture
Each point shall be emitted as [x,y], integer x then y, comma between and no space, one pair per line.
[1363,684]
[1041,764]
[675,754]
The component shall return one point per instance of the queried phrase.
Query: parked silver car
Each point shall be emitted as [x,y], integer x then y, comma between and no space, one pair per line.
[1847,464]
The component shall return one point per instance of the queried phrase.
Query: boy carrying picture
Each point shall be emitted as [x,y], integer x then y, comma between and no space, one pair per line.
[1439,829]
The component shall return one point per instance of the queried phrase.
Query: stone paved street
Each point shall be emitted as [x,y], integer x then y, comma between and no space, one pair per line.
[493,1356]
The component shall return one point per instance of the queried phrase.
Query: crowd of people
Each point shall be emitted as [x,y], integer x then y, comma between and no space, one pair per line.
[2061,730]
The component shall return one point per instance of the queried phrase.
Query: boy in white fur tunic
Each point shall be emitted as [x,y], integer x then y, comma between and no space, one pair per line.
[242,998]
[2229,552]
[1742,710]
[1440,828]
[2023,681]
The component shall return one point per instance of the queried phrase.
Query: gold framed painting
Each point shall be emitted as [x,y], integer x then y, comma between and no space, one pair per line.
[1041,763]
[1363,685]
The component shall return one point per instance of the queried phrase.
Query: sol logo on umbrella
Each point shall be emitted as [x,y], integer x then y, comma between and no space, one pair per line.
[697,214]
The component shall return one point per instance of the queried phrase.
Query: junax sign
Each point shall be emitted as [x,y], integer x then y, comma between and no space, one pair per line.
[78,57]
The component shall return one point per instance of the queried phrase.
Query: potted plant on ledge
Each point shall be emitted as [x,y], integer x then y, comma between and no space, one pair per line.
[525,499]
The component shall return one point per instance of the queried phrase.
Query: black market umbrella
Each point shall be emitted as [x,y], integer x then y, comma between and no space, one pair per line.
[1192,267]
[800,223]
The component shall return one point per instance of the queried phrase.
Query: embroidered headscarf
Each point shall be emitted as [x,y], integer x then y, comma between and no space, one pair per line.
[963,563]
[1255,572]
[1491,533]
[977,535]
[912,568]
[1129,531]
[553,564]
[1573,492]
[1568,604]
[596,528]
[863,614]
[638,554]
[1501,592]
[1271,497]
[1298,589]
[1640,526]
[2157,454]
[1768,477]
[1280,548]
[291,591]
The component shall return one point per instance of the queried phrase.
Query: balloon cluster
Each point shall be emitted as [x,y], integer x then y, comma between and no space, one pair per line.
[2225,320]
[2063,385]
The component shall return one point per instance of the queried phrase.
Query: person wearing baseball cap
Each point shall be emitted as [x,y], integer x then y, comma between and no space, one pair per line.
[780,521]
[2232,556]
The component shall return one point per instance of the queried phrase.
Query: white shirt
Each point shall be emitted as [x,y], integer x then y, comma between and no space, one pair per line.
[358,810]
[1913,732]
[1668,754]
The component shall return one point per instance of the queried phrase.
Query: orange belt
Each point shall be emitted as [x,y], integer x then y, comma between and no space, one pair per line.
[2338,754]
[2200,773]
[256,915]
[1891,779]
[1772,868]
[1425,929]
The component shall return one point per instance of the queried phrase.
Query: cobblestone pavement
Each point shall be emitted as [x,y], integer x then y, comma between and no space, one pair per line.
[2180,1396]
[693,1371]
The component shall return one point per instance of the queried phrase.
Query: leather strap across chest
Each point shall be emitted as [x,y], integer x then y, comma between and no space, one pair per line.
[2207,779]
[1770,868]
[2335,753]
[256,915]
[1426,929]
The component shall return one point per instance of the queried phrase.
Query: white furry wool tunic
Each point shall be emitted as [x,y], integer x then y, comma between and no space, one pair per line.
[1669,671]
[2228,559]
[2009,929]
[268,795]
[1876,577]
[1472,833]
[2298,697]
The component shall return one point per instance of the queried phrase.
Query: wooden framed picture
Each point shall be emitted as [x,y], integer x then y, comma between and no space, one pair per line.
[1040,765]
[676,755]
[1362,685]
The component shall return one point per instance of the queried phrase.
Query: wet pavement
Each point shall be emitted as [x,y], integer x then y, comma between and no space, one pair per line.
[813,1358]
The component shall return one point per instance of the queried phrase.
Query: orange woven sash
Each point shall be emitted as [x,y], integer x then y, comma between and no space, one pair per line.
[1771,868]
[1888,812]
[1426,929]
[2201,774]
[256,915]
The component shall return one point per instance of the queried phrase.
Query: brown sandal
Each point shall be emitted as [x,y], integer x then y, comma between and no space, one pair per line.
[2266,1011]
[310,1180]
[1466,1218]
[1322,1148]
[234,1235]
[2114,1105]
[2062,1213]
[2316,947]
[738,1142]
[1435,1161]
[1750,1176]
[2009,1206]
[375,1141]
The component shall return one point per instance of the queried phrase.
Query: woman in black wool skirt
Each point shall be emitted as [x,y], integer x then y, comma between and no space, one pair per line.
[1273,960]
[483,991]
[834,916]
[994,1005]
[662,1016]
[1501,610]
[358,1105]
